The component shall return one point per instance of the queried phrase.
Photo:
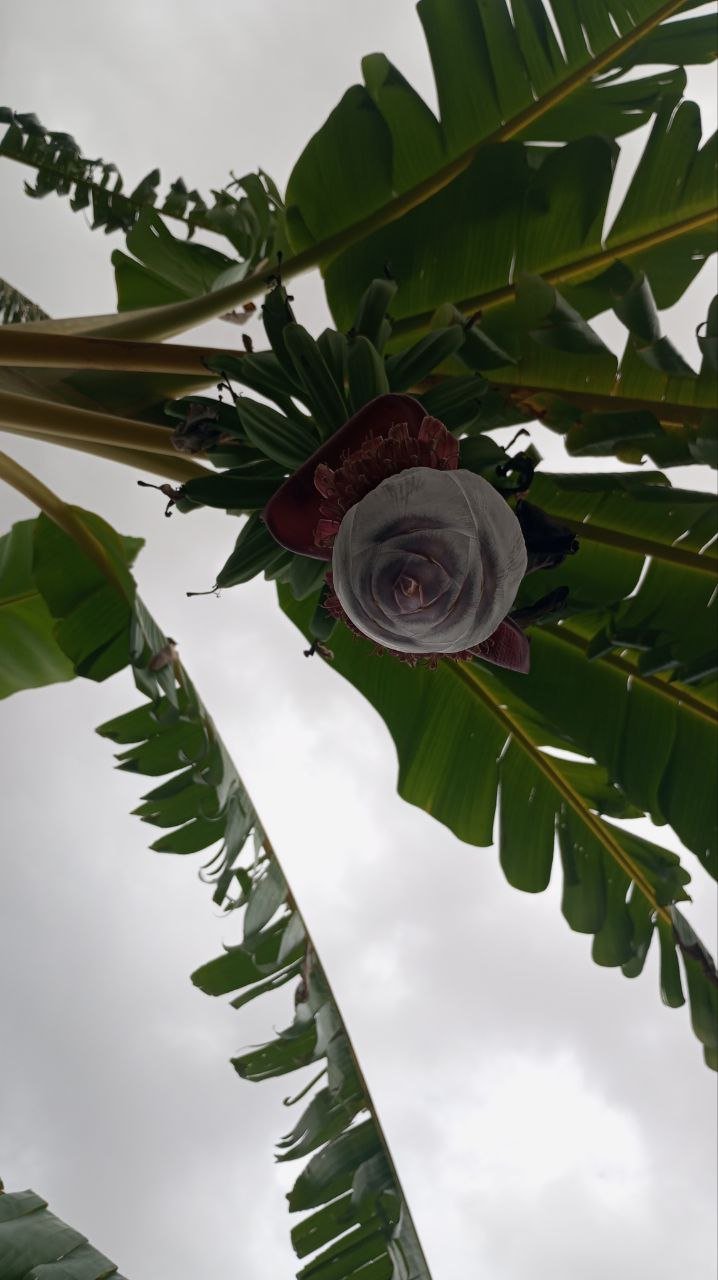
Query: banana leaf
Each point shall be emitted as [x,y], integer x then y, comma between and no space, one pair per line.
[509,213]
[469,744]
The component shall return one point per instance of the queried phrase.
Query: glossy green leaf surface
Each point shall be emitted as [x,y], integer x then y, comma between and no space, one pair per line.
[499,73]
[31,656]
[468,742]
[620,521]
[59,616]
[507,213]
[92,616]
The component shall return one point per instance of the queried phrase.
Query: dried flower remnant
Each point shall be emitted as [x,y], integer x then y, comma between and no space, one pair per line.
[172,493]
[199,431]
[240,316]
[426,558]
[164,657]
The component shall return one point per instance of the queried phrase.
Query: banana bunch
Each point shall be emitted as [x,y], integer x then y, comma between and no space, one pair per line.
[309,388]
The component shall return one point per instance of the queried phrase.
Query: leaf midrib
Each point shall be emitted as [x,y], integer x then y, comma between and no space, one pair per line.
[469,676]
[9,602]
[593,531]
[587,265]
[677,695]
[673,415]
[65,517]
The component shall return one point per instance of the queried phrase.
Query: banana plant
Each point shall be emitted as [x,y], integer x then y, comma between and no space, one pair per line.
[508,187]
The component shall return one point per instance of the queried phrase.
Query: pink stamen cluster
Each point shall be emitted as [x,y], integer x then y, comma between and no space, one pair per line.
[375,460]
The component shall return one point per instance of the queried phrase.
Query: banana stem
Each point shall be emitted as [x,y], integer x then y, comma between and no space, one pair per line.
[60,420]
[178,468]
[25,347]
[676,694]
[578,270]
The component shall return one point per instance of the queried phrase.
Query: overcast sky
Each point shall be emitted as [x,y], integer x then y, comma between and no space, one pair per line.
[549,1118]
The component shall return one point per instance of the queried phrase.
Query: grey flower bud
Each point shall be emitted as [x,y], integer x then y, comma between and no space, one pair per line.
[429,561]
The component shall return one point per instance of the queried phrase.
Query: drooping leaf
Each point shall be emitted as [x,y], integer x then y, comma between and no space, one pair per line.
[275,950]
[204,802]
[59,615]
[247,221]
[92,615]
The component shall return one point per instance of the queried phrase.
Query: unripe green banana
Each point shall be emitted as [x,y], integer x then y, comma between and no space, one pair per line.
[323,396]
[480,352]
[367,373]
[333,347]
[305,576]
[276,315]
[278,569]
[283,439]
[372,309]
[241,490]
[261,372]
[409,367]
[455,401]
[385,331]
[254,550]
